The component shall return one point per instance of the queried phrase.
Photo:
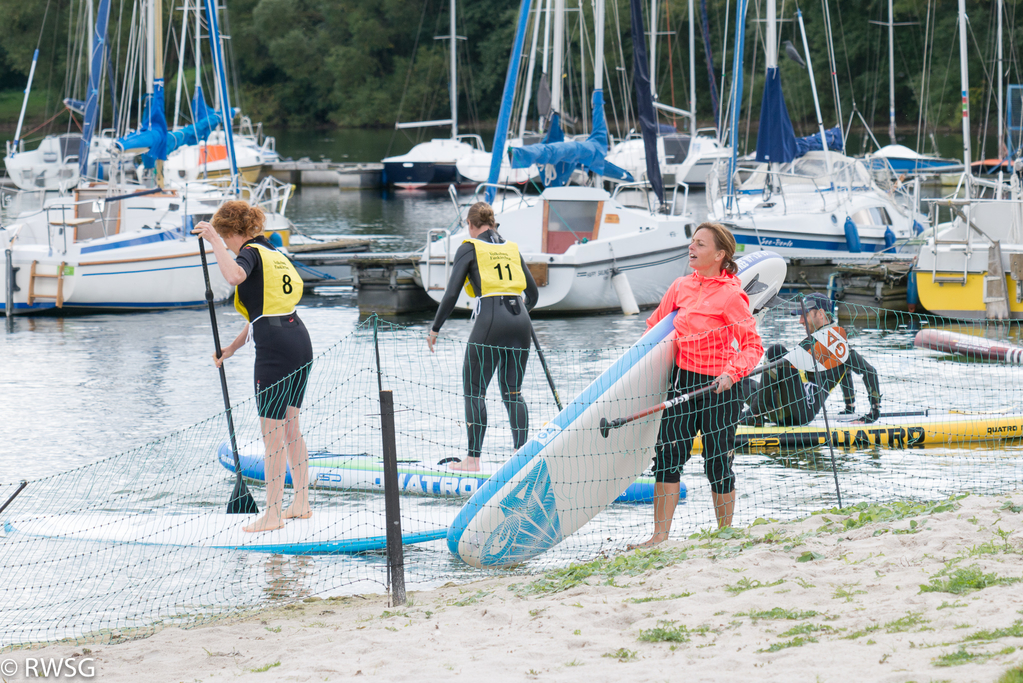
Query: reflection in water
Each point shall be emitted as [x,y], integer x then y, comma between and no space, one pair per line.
[285,577]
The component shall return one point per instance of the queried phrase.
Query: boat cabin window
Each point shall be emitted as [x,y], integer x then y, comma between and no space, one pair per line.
[875,215]
[70,146]
[568,222]
[676,148]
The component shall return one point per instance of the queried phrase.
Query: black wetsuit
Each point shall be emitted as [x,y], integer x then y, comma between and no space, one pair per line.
[499,342]
[284,352]
[784,398]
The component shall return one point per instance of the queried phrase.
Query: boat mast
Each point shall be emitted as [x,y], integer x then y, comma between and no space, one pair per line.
[692,69]
[221,77]
[559,55]
[99,43]
[507,101]
[181,62]
[454,72]
[653,49]
[891,72]
[1001,124]
[964,79]
[736,104]
[816,99]
[529,74]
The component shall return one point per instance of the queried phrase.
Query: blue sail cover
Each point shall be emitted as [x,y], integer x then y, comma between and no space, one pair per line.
[645,101]
[812,143]
[566,156]
[776,143]
[152,133]
[206,120]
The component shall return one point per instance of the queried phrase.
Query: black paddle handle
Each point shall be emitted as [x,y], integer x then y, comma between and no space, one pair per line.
[546,370]
[216,343]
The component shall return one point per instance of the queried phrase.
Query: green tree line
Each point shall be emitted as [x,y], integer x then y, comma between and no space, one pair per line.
[367,63]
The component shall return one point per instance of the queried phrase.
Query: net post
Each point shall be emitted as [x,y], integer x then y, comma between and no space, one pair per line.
[392,506]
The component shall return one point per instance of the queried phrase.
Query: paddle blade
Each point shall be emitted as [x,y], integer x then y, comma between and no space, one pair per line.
[241,502]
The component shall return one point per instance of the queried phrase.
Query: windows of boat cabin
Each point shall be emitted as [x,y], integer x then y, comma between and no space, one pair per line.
[875,215]
[568,222]
[676,148]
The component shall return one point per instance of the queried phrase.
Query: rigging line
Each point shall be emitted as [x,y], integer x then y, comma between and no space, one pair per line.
[408,74]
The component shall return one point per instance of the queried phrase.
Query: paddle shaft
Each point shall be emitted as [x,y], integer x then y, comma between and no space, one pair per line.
[239,485]
[14,495]
[824,411]
[607,425]
[546,370]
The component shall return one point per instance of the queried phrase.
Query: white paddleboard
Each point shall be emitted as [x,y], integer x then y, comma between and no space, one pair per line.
[568,473]
[329,530]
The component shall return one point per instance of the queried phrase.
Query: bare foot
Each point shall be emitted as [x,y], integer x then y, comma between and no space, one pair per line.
[468,465]
[264,523]
[654,540]
[291,513]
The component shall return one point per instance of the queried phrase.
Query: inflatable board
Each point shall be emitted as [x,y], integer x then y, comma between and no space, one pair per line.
[568,472]
[973,347]
[923,429]
[364,472]
[330,530]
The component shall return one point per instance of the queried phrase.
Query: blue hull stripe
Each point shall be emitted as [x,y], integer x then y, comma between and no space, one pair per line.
[163,236]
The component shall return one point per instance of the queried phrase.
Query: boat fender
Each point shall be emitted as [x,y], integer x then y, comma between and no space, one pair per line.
[917,227]
[620,281]
[912,296]
[852,236]
[889,238]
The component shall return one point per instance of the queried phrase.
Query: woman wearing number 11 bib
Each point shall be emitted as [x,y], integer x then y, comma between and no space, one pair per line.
[492,270]
[267,290]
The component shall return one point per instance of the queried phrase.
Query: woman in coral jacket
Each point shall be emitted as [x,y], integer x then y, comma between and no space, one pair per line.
[717,343]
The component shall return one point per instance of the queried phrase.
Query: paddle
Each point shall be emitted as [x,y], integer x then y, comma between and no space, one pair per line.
[546,370]
[607,425]
[241,501]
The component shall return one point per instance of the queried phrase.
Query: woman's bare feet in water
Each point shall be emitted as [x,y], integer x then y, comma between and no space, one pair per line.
[654,540]
[267,522]
[293,512]
[470,464]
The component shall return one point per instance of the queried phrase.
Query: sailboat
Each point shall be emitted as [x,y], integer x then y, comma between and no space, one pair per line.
[803,203]
[119,245]
[587,250]
[685,158]
[971,268]
[434,164]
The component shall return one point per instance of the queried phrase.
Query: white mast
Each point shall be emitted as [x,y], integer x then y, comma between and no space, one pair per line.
[559,54]
[772,35]
[529,73]
[692,70]
[653,48]
[454,73]
[181,63]
[891,72]
[964,77]
[1000,72]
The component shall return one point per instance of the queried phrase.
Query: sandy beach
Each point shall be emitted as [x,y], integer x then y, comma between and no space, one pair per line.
[898,592]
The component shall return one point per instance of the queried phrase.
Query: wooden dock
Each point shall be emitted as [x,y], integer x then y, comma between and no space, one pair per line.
[353,176]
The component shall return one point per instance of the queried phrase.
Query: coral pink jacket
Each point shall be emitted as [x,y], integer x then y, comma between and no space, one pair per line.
[715,332]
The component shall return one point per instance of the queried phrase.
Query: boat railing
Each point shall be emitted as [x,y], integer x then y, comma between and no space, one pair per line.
[645,185]
[435,235]
[475,140]
[499,187]
[270,194]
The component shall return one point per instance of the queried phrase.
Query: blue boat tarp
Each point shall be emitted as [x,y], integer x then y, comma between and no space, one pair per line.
[812,143]
[152,133]
[566,156]
[206,120]
[154,136]
[645,101]
[776,143]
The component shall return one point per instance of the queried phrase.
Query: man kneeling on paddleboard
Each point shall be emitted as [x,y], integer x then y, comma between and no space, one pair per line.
[794,393]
